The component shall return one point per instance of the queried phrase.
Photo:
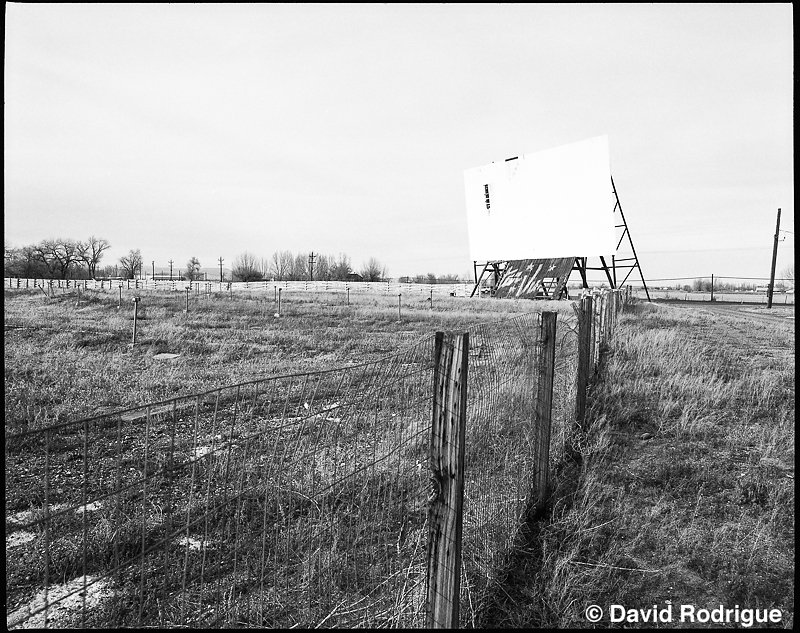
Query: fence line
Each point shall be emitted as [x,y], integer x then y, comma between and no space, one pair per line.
[373,287]
[300,500]
[179,285]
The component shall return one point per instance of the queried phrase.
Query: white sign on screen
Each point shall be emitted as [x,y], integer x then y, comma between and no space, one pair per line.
[554,203]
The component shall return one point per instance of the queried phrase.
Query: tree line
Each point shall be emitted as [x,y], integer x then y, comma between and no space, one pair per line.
[56,259]
[288,266]
[66,258]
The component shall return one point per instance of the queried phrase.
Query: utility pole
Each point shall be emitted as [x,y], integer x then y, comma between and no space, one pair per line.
[774,258]
[220,269]
[170,270]
[311,265]
[154,269]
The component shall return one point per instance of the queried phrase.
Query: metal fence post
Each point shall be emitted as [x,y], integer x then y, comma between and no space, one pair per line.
[446,497]
[544,406]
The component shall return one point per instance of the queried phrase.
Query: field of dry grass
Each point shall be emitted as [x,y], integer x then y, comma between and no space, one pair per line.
[143,482]
[65,361]
[682,491]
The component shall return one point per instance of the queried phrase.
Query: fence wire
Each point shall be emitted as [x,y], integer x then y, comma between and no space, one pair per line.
[565,373]
[289,501]
[500,454]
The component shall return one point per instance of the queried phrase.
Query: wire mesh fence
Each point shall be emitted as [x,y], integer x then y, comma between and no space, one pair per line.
[500,454]
[295,500]
[299,500]
[564,386]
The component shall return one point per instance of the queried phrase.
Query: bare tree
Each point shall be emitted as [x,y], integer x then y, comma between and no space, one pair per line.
[322,267]
[281,265]
[192,269]
[340,268]
[26,263]
[59,255]
[91,252]
[299,271]
[264,267]
[130,263]
[245,268]
[788,273]
[373,270]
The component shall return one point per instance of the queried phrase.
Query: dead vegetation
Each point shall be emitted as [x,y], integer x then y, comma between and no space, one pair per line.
[682,490]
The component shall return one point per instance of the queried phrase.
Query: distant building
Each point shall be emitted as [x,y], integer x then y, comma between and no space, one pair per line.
[354,277]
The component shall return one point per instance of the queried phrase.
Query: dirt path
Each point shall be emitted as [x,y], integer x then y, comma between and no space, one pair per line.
[754,330]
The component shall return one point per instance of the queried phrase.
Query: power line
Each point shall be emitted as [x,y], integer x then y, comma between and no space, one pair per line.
[716,277]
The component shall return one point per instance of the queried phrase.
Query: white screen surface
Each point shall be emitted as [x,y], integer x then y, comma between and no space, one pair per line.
[554,203]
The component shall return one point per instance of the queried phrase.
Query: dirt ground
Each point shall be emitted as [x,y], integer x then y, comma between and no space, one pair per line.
[777,313]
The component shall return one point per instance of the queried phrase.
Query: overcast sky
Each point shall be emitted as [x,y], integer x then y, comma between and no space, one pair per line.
[208,130]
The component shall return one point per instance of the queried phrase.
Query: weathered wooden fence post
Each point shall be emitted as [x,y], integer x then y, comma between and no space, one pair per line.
[599,310]
[593,330]
[446,499]
[135,314]
[584,358]
[544,406]
[612,314]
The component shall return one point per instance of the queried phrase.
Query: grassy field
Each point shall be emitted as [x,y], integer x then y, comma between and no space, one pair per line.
[682,490]
[64,362]
[186,489]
